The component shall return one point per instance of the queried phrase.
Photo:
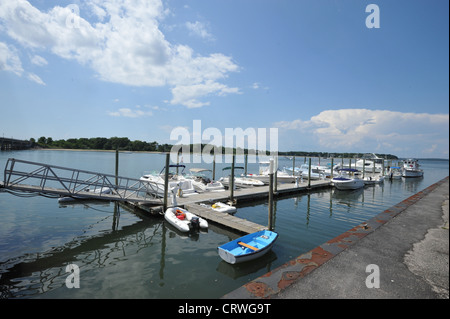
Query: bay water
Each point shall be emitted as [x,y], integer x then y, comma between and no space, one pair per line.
[124,254]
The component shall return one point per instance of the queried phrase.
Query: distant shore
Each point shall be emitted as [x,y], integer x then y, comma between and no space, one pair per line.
[91,150]
[158,152]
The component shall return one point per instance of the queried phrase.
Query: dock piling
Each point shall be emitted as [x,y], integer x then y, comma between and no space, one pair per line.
[364,167]
[332,165]
[293,165]
[117,166]
[309,172]
[275,174]
[214,167]
[231,180]
[166,181]
[270,225]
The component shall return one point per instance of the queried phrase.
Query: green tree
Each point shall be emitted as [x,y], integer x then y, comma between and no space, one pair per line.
[42,141]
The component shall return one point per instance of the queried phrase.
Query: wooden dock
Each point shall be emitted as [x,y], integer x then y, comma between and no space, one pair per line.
[243,195]
[61,181]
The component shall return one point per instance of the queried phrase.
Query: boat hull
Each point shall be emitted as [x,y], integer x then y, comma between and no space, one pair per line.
[156,186]
[373,180]
[347,184]
[412,173]
[74,198]
[235,252]
[280,178]
[241,182]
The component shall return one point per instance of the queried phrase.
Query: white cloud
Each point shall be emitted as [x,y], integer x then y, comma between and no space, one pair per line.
[9,60]
[38,60]
[127,112]
[124,45]
[33,77]
[199,29]
[363,130]
[188,94]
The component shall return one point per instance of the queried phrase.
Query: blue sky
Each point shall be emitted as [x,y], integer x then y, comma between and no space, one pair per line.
[311,69]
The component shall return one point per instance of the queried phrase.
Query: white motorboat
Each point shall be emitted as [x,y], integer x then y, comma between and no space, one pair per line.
[156,183]
[98,191]
[411,168]
[317,172]
[394,172]
[202,183]
[348,179]
[370,163]
[371,180]
[184,220]
[263,176]
[241,181]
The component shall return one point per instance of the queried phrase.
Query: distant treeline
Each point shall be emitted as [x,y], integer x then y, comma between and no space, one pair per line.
[102,143]
[124,144]
[335,155]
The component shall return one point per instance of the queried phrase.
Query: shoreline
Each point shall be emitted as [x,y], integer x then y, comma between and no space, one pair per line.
[159,152]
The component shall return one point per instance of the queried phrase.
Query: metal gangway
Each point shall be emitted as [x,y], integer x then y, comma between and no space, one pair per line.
[45,179]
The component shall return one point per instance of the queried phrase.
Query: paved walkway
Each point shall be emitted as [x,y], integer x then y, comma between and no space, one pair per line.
[407,245]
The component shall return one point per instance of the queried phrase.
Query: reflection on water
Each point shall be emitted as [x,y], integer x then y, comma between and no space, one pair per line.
[122,254]
[46,271]
[247,268]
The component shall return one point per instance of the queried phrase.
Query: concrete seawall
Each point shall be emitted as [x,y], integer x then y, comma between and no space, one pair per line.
[402,253]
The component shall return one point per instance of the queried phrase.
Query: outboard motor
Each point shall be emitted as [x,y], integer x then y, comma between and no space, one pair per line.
[194,224]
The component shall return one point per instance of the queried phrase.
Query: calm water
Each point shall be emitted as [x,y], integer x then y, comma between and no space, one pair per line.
[123,255]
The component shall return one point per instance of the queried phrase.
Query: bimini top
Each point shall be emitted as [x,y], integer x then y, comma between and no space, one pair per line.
[173,165]
[354,170]
[229,167]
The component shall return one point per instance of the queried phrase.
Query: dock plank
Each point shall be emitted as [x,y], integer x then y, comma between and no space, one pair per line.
[224,219]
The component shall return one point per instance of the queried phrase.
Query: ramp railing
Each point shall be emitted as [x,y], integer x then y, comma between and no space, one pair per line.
[26,176]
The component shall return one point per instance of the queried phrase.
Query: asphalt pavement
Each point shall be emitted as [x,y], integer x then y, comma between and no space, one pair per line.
[403,253]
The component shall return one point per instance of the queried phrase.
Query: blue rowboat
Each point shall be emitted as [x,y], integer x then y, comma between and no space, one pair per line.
[248,247]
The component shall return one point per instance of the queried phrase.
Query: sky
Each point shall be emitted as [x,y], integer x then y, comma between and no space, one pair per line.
[327,76]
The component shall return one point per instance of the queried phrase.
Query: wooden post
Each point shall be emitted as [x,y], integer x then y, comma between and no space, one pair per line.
[116,216]
[364,167]
[166,182]
[293,165]
[275,182]
[231,182]
[270,226]
[117,166]
[309,172]
[245,166]
[332,170]
[214,167]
